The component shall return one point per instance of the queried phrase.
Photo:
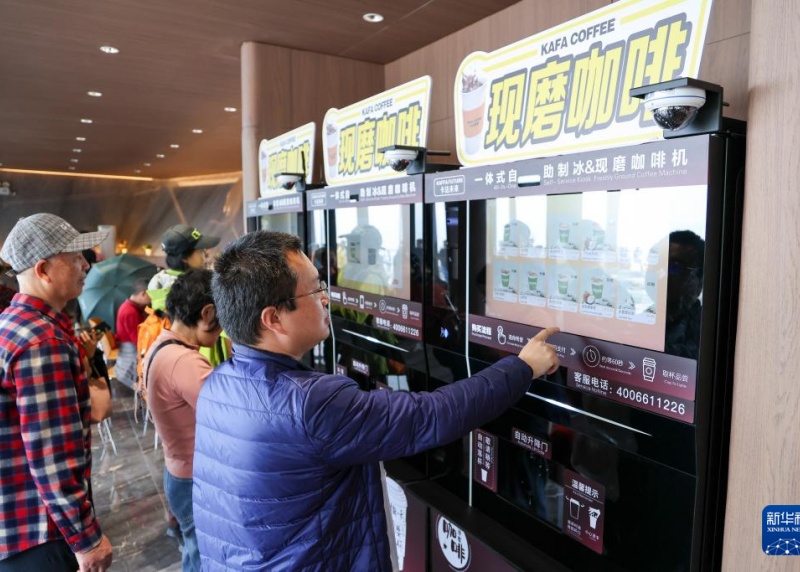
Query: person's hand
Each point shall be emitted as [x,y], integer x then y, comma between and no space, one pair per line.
[97,559]
[537,354]
[89,341]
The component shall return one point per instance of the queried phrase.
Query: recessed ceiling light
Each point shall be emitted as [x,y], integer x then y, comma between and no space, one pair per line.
[372,18]
[197,130]
[73,160]
[137,171]
[80,139]
[146,164]
[160,156]
[71,168]
[109,50]
[175,146]
[77,150]
[94,93]
[230,109]
[86,120]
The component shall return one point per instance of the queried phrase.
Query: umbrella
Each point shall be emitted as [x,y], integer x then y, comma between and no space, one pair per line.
[109,283]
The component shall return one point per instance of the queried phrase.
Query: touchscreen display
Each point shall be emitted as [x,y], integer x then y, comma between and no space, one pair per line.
[374,251]
[281,222]
[611,265]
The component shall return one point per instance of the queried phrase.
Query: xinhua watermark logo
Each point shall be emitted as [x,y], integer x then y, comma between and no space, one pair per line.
[780,530]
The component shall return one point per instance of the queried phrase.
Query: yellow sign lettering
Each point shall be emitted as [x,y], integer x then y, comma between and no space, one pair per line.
[384,136]
[347,150]
[594,89]
[408,125]
[505,110]
[547,94]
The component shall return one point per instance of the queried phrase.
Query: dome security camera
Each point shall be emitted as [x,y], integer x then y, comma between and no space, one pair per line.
[400,159]
[288,180]
[674,109]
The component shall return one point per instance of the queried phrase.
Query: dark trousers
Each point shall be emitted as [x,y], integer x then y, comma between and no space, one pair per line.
[54,556]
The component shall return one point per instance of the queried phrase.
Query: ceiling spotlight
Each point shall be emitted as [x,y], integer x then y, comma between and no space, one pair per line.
[86,120]
[174,146]
[372,18]
[197,130]
[80,139]
[230,109]
[73,160]
[77,150]
[146,164]
[94,93]
[109,50]
[160,156]
[71,168]
[137,171]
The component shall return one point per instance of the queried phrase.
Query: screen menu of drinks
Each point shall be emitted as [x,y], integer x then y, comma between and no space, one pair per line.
[597,264]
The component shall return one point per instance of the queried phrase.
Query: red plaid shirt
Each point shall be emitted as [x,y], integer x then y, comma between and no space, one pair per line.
[45,433]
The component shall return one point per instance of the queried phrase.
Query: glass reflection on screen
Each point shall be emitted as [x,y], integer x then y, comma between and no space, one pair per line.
[373,249]
[605,264]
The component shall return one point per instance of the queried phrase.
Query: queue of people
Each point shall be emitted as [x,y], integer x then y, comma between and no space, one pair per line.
[231,433]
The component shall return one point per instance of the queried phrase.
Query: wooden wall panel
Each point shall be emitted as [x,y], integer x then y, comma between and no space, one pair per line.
[765,440]
[725,63]
[284,88]
[320,82]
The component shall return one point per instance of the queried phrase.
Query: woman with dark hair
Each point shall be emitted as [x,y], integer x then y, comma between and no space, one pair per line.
[174,372]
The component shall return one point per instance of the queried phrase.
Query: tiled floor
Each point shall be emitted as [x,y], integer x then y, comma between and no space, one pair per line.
[129,493]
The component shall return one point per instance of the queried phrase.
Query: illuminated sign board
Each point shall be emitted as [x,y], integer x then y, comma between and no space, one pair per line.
[292,152]
[566,89]
[354,135]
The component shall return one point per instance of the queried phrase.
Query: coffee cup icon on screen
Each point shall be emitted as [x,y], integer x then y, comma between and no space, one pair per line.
[649,369]
[594,514]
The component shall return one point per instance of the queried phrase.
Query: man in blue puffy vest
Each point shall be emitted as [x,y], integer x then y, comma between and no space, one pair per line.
[286,466]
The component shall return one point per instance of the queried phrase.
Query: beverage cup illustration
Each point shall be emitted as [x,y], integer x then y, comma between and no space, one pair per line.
[574,509]
[597,287]
[361,301]
[594,514]
[648,369]
[473,108]
[332,144]
[507,233]
[505,277]
[563,233]
[599,237]
[563,284]
[484,475]
[533,280]
[404,311]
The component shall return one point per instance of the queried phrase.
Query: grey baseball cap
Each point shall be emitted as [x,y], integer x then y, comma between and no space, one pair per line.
[41,236]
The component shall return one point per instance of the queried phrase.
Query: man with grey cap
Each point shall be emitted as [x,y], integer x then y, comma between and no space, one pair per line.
[47,520]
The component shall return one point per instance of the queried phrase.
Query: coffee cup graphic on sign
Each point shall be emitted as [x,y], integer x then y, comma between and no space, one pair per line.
[332,144]
[473,109]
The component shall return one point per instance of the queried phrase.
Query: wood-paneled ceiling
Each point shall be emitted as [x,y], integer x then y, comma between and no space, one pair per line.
[178,68]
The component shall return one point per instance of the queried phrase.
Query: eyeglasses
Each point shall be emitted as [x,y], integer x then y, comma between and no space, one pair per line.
[323,287]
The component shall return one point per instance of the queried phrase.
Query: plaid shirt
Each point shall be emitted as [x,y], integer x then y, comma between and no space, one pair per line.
[45,433]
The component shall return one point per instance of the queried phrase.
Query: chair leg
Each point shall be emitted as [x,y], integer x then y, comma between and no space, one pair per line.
[106,424]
